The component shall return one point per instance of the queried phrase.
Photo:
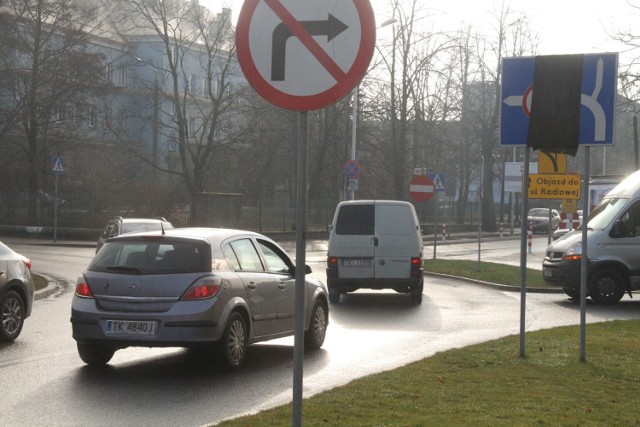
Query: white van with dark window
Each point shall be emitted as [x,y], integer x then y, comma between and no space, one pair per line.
[375,244]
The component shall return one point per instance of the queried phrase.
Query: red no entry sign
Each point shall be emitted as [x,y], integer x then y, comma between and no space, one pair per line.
[421,188]
[305,55]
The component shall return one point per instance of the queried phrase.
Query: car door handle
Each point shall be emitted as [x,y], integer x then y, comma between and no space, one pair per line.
[282,284]
[252,285]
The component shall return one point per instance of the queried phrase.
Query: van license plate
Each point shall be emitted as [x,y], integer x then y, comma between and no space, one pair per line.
[356,262]
[127,327]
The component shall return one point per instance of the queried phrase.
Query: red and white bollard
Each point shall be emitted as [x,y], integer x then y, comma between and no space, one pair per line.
[529,239]
[444,232]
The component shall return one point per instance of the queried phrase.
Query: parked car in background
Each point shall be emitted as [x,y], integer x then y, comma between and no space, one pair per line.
[560,232]
[119,225]
[16,292]
[538,219]
[204,288]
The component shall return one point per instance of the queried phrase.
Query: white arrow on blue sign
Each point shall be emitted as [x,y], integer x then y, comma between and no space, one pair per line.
[597,111]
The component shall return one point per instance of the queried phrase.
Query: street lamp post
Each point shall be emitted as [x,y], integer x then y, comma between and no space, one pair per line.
[354,123]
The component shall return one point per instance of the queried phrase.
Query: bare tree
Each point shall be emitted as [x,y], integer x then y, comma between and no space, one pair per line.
[479,59]
[46,71]
[189,41]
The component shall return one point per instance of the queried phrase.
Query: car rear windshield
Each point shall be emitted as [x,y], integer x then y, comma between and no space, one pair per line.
[539,212]
[356,220]
[153,256]
[129,227]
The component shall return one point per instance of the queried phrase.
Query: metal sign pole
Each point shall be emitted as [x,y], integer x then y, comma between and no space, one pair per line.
[301,214]
[523,248]
[55,210]
[435,221]
[584,260]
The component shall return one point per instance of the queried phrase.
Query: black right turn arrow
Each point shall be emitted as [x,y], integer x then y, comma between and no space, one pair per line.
[331,28]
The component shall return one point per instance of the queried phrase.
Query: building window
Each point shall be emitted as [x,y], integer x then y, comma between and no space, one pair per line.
[192,127]
[191,84]
[214,85]
[173,144]
[108,118]
[204,86]
[92,116]
[122,75]
[108,73]
[77,115]
[122,119]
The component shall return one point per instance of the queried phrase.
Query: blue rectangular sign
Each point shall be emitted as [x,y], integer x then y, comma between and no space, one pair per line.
[438,181]
[597,110]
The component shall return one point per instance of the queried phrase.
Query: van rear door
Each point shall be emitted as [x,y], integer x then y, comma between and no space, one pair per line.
[353,240]
[397,240]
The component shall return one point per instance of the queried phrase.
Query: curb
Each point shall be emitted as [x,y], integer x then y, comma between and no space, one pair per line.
[52,288]
[507,288]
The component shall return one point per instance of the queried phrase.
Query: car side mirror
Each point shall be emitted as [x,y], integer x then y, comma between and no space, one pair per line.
[307,270]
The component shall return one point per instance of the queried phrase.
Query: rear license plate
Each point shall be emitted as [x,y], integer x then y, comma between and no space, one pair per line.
[129,327]
[356,262]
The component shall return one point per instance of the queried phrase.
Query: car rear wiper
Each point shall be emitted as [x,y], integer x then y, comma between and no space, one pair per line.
[123,268]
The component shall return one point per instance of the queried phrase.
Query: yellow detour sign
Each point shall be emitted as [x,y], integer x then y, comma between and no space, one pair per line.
[569,205]
[554,186]
[552,162]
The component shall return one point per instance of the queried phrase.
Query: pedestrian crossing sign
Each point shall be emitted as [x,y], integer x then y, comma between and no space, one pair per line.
[438,181]
[57,165]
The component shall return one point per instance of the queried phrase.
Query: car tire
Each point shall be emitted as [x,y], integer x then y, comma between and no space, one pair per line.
[606,286]
[416,293]
[12,314]
[232,348]
[95,354]
[572,293]
[334,296]
[314,337]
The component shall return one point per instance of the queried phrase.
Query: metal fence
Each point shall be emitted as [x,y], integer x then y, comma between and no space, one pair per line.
[212,210]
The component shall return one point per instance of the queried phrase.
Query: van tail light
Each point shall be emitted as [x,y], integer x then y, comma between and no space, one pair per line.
[203,288]
[332,261]
[83,290]
[416,267]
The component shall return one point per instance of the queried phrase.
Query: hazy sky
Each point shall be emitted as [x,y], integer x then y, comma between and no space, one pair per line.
[564,26]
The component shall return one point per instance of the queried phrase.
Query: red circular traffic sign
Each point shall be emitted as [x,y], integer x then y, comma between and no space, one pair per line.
[421,188]
[352,169]
[304,56]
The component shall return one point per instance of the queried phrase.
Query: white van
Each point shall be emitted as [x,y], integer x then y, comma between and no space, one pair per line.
[375,244]
[613,233]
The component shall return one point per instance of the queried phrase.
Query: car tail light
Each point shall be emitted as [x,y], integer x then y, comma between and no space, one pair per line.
[416,267]
[83,290]
[332,261]
[27,262]
[204,288]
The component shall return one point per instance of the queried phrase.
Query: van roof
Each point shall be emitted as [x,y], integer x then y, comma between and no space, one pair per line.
[628,187]
[368,202]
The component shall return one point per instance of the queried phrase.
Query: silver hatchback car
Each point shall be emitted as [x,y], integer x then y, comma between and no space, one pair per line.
[192,287]
[16,292]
